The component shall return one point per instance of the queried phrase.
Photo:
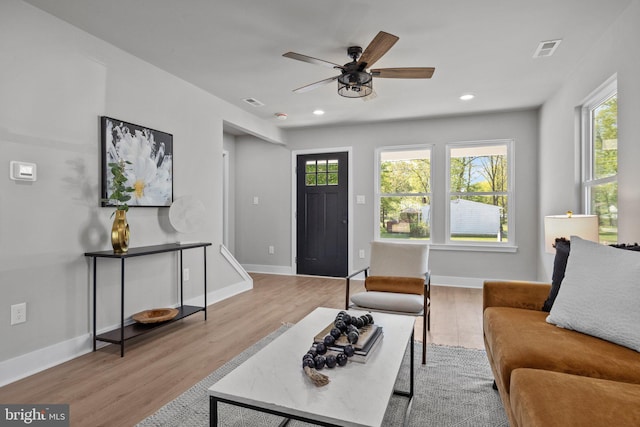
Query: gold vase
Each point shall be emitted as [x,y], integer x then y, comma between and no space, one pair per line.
[120,233]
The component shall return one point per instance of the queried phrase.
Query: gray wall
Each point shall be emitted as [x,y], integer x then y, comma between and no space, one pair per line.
[263,171]
[261,160]
[560,168]
[229,145]
[55,82]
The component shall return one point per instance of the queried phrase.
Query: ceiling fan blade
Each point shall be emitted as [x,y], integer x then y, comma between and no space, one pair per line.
[315,85]
[404,73]
[380,45]
[311,60]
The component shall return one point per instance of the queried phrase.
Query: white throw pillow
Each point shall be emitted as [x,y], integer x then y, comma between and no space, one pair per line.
[389,301]
[600,293]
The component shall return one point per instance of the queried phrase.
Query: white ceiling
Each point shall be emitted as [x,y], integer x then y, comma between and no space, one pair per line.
[233,49]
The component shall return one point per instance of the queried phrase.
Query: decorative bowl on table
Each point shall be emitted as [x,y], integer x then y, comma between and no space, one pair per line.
[155,315]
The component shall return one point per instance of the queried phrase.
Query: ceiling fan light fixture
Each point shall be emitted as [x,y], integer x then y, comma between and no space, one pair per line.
[357,84]
[354,81]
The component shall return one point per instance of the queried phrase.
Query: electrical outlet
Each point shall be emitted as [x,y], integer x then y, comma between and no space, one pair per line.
[185,274]
[361,253]
[272,250]
[18,313]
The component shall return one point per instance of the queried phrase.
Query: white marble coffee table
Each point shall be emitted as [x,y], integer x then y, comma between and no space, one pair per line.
[273,380]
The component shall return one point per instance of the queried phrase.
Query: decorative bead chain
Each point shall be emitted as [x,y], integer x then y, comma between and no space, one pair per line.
[315,359]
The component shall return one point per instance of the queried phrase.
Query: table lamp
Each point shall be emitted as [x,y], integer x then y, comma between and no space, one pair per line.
[557,226]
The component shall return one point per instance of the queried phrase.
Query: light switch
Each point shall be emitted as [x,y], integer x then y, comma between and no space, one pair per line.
[22,171]
[255,200]
[360,199]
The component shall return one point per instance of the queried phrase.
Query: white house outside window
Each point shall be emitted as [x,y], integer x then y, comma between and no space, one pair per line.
[404,193]
[480,193]
[600,148]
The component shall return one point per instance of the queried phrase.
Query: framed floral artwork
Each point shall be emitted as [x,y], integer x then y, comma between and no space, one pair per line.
[148,158]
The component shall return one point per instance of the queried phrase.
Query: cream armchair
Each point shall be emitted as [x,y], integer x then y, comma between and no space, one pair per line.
[397,280]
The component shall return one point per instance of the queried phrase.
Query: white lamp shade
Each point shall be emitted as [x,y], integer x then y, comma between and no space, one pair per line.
[557,226]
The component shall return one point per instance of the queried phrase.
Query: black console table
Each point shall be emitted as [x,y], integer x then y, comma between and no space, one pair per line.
[123,333]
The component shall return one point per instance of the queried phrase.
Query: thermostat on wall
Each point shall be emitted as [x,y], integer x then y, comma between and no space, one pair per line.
[22,171]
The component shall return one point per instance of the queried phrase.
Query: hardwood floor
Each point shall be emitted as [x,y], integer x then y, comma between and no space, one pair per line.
[104,389]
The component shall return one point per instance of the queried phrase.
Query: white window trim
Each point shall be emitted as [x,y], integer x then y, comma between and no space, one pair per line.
[598,96]
[377,194]
[509,246]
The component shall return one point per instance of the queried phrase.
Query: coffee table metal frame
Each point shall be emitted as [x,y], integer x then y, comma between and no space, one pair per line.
[214,400]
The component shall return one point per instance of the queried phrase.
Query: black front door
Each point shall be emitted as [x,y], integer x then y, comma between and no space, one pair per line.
[322,214]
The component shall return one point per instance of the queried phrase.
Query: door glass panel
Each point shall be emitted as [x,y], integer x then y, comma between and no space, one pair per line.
[310,166]
[321,172]
[310,179]
[322,179]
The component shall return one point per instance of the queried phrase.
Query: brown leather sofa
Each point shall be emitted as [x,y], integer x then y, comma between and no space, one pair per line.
[548,376]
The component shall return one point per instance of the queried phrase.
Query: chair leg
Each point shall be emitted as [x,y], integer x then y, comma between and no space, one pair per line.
[346,298]
[424,338]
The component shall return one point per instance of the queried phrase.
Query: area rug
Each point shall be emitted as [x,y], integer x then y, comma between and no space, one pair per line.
[452,389]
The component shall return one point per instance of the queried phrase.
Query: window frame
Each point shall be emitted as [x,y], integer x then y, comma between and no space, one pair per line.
[607,90]
[510,194]
[378,194]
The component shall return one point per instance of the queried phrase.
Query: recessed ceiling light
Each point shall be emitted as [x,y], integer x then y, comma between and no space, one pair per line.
[318,112]
[467,97]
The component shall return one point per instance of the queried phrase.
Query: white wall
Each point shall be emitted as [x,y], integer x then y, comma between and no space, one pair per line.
[55,82]
[522,126]
[559,170]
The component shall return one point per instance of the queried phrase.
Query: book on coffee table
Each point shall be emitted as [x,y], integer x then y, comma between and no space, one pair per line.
[368,341]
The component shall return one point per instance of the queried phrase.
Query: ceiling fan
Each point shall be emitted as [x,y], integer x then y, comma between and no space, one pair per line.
[356,78]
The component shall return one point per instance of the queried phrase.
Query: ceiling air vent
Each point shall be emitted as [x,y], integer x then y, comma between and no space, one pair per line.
[546,48]
[254,102]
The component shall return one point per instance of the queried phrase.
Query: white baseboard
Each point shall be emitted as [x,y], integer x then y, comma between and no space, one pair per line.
[222,294]
[31,363]
[19,367]
[269,269]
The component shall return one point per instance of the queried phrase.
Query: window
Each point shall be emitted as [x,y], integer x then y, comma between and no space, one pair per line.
[480,192]
[600,148]
[321,172]
[404,192]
